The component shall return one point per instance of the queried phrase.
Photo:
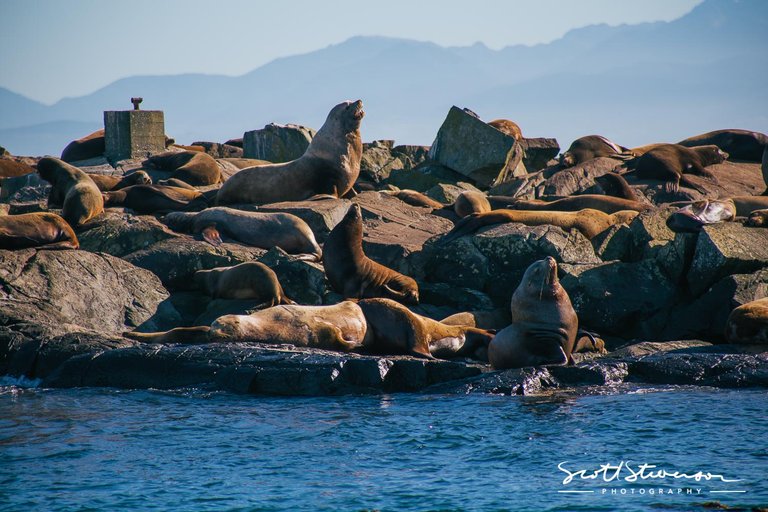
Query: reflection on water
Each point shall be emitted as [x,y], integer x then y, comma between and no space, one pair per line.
[193,450]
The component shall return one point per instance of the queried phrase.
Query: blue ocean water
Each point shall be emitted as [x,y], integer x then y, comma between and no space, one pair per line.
[104,449]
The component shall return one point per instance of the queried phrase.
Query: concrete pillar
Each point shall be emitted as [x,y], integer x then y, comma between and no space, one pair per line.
[133,133]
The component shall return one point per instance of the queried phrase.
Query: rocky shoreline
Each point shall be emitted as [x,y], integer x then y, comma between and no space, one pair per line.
[658,299]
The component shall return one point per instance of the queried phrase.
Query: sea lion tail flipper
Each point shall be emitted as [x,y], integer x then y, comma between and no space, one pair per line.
[465,226]
[64,244]
[684,180]
[548,345]
[321,197]
[211,235]
[186,335]
[308,256]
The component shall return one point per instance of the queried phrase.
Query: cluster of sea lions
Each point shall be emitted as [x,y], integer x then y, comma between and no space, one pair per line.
[202,195]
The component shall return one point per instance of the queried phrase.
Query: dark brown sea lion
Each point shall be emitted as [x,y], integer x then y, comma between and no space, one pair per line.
[757,219]
[40,229]
[739,144]
[691,218]
[330,165]
[469,202]
[508,127]
[588,221]
[394,329]
[148,199]
[544,323]
[257,229]
[192,167]
[748,324]
[606,204]
[592,146]
[339,327]
[74,190]
[10,168]
[641,150]
[415,198]
[108,183]
[670,162]
[615,185]
[353,274]
[90,146]
[250,280]
[764,168]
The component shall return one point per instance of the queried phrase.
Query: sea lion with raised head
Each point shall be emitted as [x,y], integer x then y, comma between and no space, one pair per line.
[330,165]
[250,280]
[507,127]
[469,202]
[605,204]
[739,144]
[544,323]
[592,146]
[353,274]
[72,189]
[193,167]
[149,199]
[257,229]
[394,329]
[670,163]
[40,229]
[588,221]
[748,324]
[109,183]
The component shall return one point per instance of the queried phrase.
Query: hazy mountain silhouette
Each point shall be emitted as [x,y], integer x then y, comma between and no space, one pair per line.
[634,83]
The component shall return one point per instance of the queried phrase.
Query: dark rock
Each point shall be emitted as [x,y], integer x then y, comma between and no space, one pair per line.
[645,348]
[176,260]
[321,215]
[447,193]
[302,281]
[29,188]
[615,243]
[725,249]
[424,176]
[20,208]
[590,373]
[652,239]
[522,381]
[378,162]
[120,234]
[457,298]
[217,150]
[417,154]
[537,152]
[702,369]
[277,143]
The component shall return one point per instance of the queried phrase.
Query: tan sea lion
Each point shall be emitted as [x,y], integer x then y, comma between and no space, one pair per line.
[592,146]
[108,183]
[394,329]
[10,168]
[544,323]
[691,218]
[148,199]
[739,144]
[40,229]
[508,127]
[90,146]
[615,185]
[193,167]
[330,165]
[748,324]
[353,274]
[588,221]
[77,194]
[469,202]
[257,229]
[415,198]
[670,162]
[250,280]
[606,204]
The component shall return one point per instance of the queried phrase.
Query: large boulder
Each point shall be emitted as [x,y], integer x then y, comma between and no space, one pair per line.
[277,143]
[557,181]
[378,162]
[119,233]
[424,176]
[538,152]
[730,370]
[475,149]
[302,281]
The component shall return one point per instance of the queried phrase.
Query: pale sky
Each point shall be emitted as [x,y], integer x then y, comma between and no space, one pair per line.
[51,49]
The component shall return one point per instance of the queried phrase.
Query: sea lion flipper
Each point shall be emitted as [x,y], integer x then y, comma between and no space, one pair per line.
[212,236]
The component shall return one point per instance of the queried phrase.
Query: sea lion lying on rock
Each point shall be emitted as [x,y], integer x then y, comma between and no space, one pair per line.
[592,146]
[148,199]
[670,163]
[84,148]
[758,219]
[414,198]
[544,323]
[588,221]
[615,185]
[469,202]
[748,324]
[739,144]
[40,229]
[691,218]
[330,165]
[250,280]
[72,189]
[605,204]
[192,167]
[353,274]
[109,183]
[10,168]
[257,229]
[508,127]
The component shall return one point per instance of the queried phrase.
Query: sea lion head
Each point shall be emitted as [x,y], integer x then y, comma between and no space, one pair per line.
[47,167]
[540,278]
[567,159]
[346,116]
[227,328]
[691,218]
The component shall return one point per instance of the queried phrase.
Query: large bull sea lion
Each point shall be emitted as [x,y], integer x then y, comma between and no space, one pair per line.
[74,190]
[670,162]
[739,144]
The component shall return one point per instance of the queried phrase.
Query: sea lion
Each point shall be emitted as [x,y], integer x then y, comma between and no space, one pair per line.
[244,163]
[415,198]
[670,162]
[494,319]
[394,329]
[90,146]
[615,185]
[745,205]
[330,165]
[108,183]
[641,150]
[748,323]
[764,169]
[588,221]
[757,219]
[193,167]
[739,144]
[250,280]
[74,190]
[40,229]
[592,146]
[544,323]
[10,168]
[353,274]
[508,127]
[606,204]
[257,229]
[469,202]
[184,335]
[148,199]
[691,218]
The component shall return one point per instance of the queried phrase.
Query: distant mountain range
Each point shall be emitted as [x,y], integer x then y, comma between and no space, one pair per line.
[635,84]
